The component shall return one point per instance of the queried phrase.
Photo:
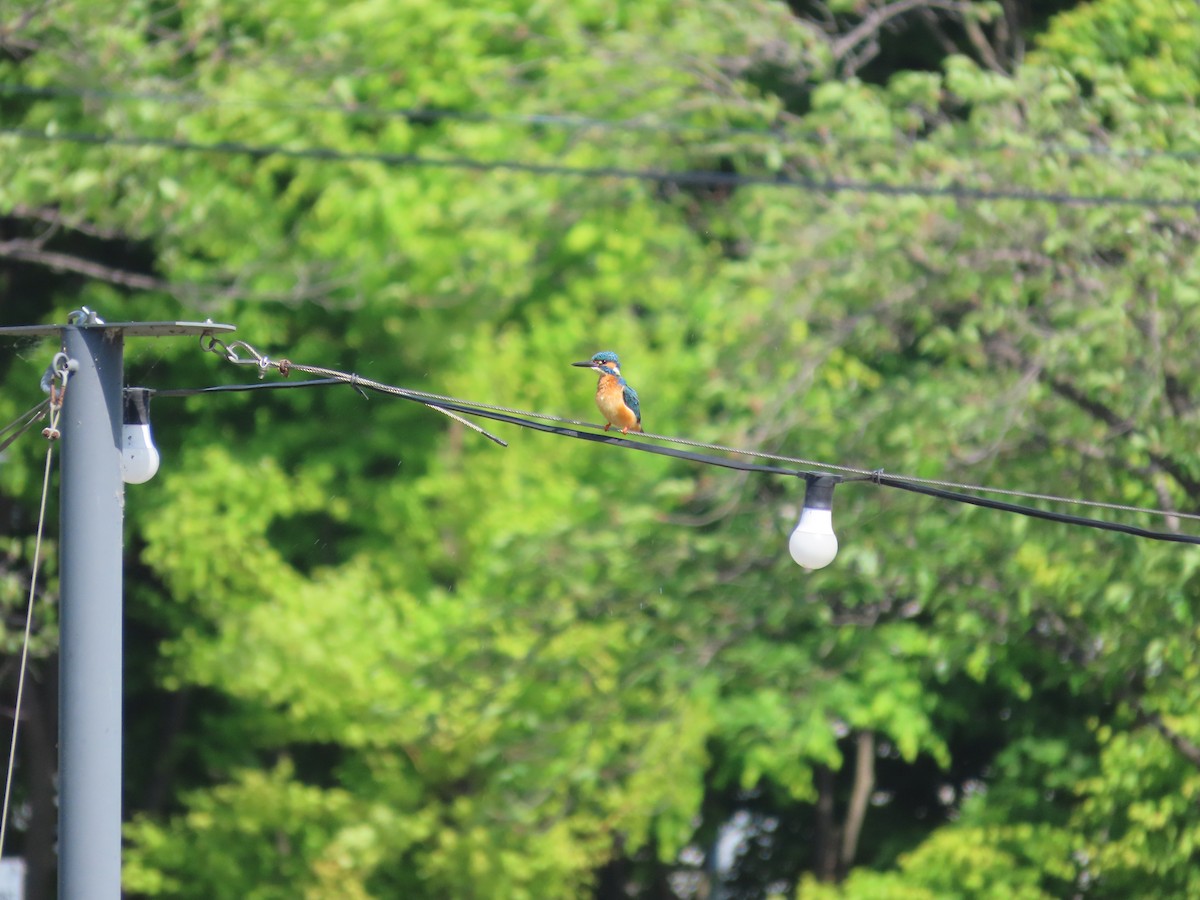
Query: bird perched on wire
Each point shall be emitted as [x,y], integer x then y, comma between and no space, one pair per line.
[618,401]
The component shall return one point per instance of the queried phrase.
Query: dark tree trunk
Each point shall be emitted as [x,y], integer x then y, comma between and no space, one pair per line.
[826,863]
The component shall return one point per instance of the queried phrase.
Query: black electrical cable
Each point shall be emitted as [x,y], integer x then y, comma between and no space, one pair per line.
[1034,512]
[615,440]
[779,132]
[261,386]
[688,177]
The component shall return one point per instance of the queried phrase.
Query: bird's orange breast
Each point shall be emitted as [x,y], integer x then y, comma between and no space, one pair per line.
[610,397]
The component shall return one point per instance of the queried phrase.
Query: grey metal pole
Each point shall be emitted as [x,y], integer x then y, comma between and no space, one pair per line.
[92,509]
[90,618]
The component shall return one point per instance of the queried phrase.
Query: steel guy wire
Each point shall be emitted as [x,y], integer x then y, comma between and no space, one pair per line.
[229,351]
[781,133]
[933,486]
[21,424]
[681,177]
[51,433]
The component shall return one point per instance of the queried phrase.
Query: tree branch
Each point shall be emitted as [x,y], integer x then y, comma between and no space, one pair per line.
[9,32]
[1118,423]
[199,295]
[934,25]
[29,251]
[860,794]
[881,16]
[1185,748]
[50,215]
[1009,33]
[1004,351]
[980,42]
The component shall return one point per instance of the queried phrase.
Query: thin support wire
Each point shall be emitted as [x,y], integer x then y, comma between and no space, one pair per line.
[21,424]
[51,433]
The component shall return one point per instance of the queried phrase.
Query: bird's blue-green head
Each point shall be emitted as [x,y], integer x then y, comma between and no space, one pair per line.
[605,362]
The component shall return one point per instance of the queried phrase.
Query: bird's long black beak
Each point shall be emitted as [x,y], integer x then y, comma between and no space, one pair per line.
[586,364]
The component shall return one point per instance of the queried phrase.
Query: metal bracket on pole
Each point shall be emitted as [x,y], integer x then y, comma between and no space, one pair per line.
[90,645]
[128,329]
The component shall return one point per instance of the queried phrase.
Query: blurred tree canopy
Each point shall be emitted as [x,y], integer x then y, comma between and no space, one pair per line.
[371,654]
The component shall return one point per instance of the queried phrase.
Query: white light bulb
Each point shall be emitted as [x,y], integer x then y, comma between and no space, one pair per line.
[139,456]
[813,543]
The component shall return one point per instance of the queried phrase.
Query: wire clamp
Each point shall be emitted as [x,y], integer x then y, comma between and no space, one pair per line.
[84,316]
[59,371]
[356,383]
[211,344]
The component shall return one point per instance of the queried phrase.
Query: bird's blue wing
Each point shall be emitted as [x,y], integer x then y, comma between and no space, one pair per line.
[631,400]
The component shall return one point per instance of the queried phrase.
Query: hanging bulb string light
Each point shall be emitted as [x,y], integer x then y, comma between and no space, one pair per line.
[851,473]
[139,456]
[837,473]
[813,544]
[875,477]
[820,543]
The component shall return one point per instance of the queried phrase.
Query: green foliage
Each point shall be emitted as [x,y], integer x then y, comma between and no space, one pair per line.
[428,666]
[1138,816]
[1155,45]
[966,862]
[264,835]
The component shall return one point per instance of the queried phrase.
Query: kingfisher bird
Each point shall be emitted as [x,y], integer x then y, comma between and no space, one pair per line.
[618,401]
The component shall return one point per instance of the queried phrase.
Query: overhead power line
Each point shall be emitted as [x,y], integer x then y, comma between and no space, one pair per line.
[683,178]
[781,133]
